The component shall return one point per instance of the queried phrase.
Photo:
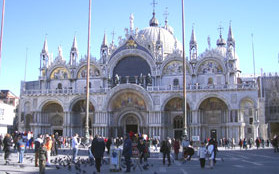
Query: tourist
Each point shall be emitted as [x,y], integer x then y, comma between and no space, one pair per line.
[210,149]
[8,142]
[38,143]
[98,149]
[21,149]
[75,144]
[48,145]
[165,149]
[108,144]
[201,154]
[176,147]
[127,151]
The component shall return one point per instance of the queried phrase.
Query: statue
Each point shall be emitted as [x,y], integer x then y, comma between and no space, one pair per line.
[116,79]
[149,79]
[140,79]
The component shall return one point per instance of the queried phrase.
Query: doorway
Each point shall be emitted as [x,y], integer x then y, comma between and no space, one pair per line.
[60,132]
[133,128]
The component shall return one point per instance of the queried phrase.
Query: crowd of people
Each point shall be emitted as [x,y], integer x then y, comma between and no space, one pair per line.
[134,145]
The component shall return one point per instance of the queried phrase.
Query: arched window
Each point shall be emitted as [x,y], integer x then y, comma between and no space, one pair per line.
[175,82]
[59,86]
[210,81]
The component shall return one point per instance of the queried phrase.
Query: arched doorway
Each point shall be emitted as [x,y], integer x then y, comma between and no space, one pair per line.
[53,115]
[174,119]
[78,117]
[130,123]
[213,117]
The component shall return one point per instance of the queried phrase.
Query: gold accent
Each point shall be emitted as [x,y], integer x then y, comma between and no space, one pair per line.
[60,73]
[131,44]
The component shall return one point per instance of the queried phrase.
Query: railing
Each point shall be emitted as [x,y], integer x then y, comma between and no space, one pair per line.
[201,87]
[63,91]
[148,88]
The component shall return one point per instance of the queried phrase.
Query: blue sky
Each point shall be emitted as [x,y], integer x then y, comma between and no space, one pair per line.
[28,22]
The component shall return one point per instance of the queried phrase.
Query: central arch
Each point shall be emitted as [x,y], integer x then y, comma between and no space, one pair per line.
[213,118]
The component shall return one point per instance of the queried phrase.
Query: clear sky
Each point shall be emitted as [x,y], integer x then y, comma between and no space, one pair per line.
[28,22]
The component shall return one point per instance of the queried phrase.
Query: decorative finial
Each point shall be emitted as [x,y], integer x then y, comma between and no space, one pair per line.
[208,42]
[154,3]
[131,22]
[220,28]
[113,34]
[166,14]
[60,51]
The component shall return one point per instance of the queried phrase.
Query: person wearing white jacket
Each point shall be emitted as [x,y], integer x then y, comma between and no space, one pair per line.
[210,149]
[201,154]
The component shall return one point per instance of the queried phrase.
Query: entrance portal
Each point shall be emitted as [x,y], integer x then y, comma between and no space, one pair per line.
[133,128]
[60,132]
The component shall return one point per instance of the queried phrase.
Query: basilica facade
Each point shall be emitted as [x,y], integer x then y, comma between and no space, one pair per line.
[137,85]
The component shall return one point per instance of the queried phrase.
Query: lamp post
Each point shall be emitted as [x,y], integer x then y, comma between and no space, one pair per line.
[87,79]
[185,133]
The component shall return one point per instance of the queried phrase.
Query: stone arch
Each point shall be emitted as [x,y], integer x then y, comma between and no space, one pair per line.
[224,99]
[168,61]
[170,97]
[213,64]
[95,70]
[249,99]
[51,100]
[78,98]
[123,114]
[128,88]
[131,52]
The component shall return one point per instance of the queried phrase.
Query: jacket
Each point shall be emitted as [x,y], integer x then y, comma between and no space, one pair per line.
[98,147]
[127,148]
[202,152]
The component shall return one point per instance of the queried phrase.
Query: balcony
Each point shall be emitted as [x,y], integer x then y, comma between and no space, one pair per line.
[191,88]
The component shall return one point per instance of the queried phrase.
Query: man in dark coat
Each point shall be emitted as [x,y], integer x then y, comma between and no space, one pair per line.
[8,142]
[127,151]
[166,149]
[98,149]
[108,144]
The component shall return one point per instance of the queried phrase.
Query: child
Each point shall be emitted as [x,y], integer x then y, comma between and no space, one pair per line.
[201,154]
[42,158]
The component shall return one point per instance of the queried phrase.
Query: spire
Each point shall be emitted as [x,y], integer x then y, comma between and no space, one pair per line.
[45,47]
[74,46]
[153,21]
[104,40]
[166,17]
[193,45]
[230,40]
[193,37]
[131,22]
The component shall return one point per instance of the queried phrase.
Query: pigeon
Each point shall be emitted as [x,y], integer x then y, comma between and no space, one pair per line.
[21,166]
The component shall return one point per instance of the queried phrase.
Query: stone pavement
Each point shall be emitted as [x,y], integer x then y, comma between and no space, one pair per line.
[237,161]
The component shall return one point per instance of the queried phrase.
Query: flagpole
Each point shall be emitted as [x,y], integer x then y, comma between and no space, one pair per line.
[1,36]
[184,75]
[253,56]
[87,78]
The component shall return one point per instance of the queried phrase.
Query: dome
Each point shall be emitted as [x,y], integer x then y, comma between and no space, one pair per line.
[221,42]
[151,34]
